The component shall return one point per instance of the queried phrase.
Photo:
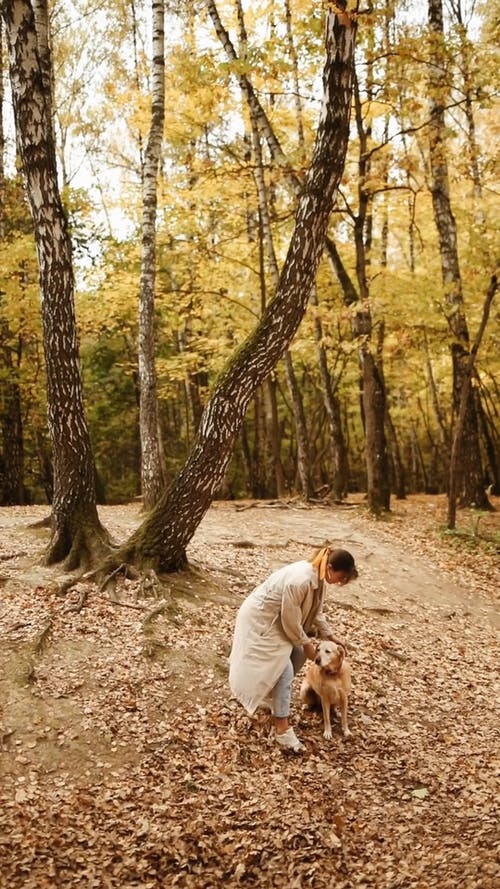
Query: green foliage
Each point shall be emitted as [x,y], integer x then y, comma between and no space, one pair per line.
[21,348]
[472,538]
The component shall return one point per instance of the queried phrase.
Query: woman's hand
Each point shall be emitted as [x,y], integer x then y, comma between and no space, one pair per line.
[310,651]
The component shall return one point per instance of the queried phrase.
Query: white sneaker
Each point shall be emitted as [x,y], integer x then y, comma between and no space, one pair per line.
[289,741]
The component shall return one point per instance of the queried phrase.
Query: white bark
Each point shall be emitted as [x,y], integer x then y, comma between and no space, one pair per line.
[151,463]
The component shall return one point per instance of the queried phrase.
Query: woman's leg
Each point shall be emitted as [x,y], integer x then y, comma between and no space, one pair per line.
[282,691]
[282,695]
[298,658]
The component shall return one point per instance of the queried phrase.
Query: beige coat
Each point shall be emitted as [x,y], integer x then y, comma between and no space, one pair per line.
[277,615]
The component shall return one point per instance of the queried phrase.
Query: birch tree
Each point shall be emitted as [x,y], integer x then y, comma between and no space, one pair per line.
[471,487]
[77,535]
[152,480]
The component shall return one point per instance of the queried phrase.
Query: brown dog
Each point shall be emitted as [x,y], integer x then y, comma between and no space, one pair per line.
[328,681]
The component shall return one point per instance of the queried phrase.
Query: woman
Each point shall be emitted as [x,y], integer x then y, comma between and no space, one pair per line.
[271,636]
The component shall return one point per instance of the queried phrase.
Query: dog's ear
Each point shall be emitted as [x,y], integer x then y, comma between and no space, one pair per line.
[342,651]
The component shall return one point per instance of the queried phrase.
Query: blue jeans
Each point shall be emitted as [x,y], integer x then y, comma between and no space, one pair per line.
[282,691]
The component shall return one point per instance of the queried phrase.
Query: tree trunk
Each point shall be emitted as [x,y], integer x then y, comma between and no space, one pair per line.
[471,487]
[12,492]
[259,481]
[296,82]
[299,415]
[42,28]
[438,412]
[2,138]
[375,405]
[398,471]
[457,467]
[161,539]
[419,470]
[77,535]
[275,475]
[394,454]
[466,65]
[339,476]
[12,461]
[373,397]
[272,473]
[152,480]
[490,439]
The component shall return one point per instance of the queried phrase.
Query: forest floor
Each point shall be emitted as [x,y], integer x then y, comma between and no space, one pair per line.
[125,763]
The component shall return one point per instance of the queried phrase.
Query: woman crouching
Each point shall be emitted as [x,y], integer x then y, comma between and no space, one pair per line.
[271,635]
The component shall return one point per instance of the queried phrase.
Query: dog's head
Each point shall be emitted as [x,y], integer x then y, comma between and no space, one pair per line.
[330,656]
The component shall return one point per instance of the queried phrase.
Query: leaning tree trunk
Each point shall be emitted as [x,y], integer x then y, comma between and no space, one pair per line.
[77,534]
[152,481]
[161,540]
[471,486]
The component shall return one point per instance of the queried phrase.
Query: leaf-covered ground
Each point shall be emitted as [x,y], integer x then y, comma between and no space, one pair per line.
[125,763]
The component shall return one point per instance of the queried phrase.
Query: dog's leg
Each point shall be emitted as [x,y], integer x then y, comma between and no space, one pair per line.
[343,715]
[327,726]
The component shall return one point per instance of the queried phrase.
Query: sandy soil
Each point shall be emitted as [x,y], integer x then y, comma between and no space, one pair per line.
[124,762]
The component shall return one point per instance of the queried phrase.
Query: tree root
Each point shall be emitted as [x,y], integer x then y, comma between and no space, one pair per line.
[159,608]
[149,585]
[152,646]
[42,523]
[5,557]
[39,641]
[83,595]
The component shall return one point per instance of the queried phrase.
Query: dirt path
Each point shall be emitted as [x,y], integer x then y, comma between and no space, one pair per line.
[124,763]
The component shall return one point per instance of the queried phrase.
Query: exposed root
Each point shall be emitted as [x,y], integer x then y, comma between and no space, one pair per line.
[66,585]
[27,653]
[149,584]
[6,556]
[39,641]
[109,582]
[152,646]
[42,523]
[159,608]
[83,594]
